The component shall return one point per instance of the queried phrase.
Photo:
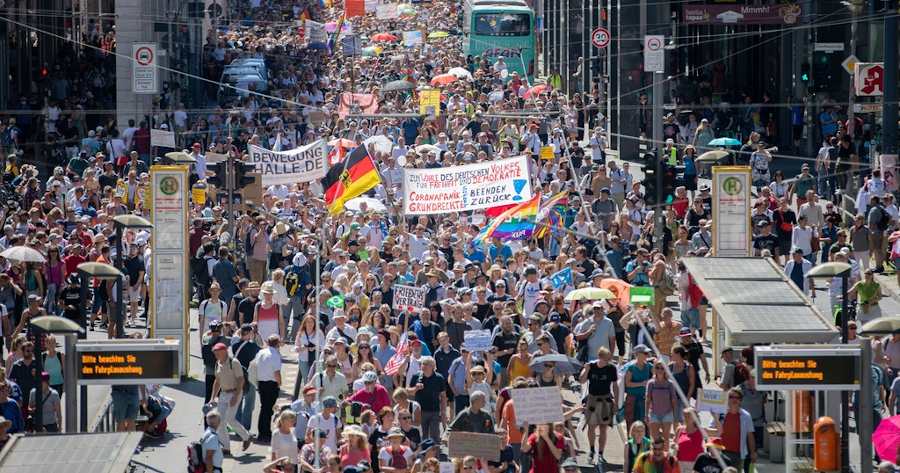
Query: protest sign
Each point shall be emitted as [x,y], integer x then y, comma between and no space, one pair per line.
[477,340]
[354,8]
[303,164]
[641,295]
[469,187]
[387,12]
[430,102]
[315,32]
[712,400]
[409,297]
[537,405]
[350,45]
[547,153]
[485,446]
[446,467]
[412,39]
[371,5]
[162,138]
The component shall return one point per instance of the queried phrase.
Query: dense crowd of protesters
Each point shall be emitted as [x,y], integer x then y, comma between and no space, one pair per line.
[353,410]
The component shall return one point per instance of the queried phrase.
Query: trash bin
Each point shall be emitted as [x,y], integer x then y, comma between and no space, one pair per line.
[826,445]
[775,436]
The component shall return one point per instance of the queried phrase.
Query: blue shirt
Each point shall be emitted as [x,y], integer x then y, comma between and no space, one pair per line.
[10,410]
[640,279]
[617,261]
[504,252]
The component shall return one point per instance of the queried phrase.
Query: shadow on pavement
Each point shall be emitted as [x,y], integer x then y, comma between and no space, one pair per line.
[191,386]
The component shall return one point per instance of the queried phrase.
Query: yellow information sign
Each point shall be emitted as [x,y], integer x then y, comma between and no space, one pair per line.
[547,153]
[430,102]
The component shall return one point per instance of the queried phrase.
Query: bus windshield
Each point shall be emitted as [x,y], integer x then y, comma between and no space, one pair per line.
[502,24]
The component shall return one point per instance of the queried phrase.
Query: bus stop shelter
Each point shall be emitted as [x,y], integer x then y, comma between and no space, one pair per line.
[71,453]
[754,303]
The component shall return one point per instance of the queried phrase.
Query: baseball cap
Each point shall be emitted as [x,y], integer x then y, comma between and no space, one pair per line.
[641,349]
[684,331]
[329,401]
[219,346]
[369,377]
[554,317]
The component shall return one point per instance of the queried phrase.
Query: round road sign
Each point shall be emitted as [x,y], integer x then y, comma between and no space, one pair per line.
[144,56]
[654,44]
[600,37]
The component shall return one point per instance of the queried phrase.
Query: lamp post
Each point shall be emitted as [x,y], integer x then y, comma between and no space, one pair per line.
[841,270]
[85,272]
[50,324]
[121,222]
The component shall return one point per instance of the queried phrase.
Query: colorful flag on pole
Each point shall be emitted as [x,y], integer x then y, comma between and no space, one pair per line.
[549,216]
[561,279]
[350,178]
[516,223]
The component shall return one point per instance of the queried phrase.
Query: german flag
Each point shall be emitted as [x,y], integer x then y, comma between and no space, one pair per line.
[350,178]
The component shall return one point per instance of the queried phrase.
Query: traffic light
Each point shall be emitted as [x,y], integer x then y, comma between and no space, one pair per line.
[219,179]
[805,73]
[667,196]
[241,179]
[650,190]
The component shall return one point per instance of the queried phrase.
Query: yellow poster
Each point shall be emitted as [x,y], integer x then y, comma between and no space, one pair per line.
[430,102]
[547,153]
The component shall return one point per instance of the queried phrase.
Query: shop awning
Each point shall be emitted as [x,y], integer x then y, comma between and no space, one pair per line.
[757,303]
[71,453]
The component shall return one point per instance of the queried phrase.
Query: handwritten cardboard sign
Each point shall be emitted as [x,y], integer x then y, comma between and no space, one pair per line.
[485,446]
[538,405]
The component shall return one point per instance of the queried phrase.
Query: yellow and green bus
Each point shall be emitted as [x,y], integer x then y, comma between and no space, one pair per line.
[495,28]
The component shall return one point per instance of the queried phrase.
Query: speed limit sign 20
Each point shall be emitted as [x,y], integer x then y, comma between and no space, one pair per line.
[600,37]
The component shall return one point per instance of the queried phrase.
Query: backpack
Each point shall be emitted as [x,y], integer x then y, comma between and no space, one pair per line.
[398,459]
[741,373]
[885,220]
[195,458]
[292,283]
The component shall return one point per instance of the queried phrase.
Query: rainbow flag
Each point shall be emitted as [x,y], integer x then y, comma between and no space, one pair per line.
[517,223]
[549,216]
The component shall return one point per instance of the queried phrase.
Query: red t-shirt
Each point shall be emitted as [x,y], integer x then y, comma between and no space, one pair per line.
[543,460]
[72,262]
[731,432]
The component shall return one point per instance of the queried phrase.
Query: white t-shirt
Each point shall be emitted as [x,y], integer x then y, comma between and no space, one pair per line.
[211,311]
[268,361]
[318,422]
[284,445]
[385,455]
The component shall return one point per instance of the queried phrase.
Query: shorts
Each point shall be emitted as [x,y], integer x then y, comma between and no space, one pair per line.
[691,318]
[125,406]
[133,293]
[661,419]
[600,410]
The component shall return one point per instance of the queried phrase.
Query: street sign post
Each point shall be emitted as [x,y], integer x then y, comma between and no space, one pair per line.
[127,361]
[600,37]
[654,54]
[849,64]
[869,79]
[143,68]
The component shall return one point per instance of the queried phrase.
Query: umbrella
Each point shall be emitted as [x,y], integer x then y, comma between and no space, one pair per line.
[886,437]
[881,326]
[620,288]
[589,294]
[444,79]
[724,142]
[536,90]
[382,143]
[23,254]
[398,85]
[369,203]
[460,73]
[711,156]
[564,365]
[180,157]
[343,143]
[406,9]
[438,34]
[383,38]
[428,149]
[372,51]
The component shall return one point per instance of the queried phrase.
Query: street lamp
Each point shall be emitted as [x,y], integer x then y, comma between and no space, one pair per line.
[832,270]
[122,222]
[50,324]
[85,272]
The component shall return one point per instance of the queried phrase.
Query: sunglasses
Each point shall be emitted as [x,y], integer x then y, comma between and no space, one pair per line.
[406,418]
[331,366]
[735,397]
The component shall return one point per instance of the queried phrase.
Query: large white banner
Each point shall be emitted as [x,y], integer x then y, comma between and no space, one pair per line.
[303,164]
[469,187]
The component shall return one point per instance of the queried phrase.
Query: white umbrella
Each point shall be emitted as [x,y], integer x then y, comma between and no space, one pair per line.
[428,149]
[23,254]
[460,73]
[362,204]
[382,143]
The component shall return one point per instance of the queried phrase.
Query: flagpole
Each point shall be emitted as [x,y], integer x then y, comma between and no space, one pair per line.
[319,362]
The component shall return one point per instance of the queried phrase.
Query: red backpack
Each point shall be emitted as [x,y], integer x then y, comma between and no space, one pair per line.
[398,457]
